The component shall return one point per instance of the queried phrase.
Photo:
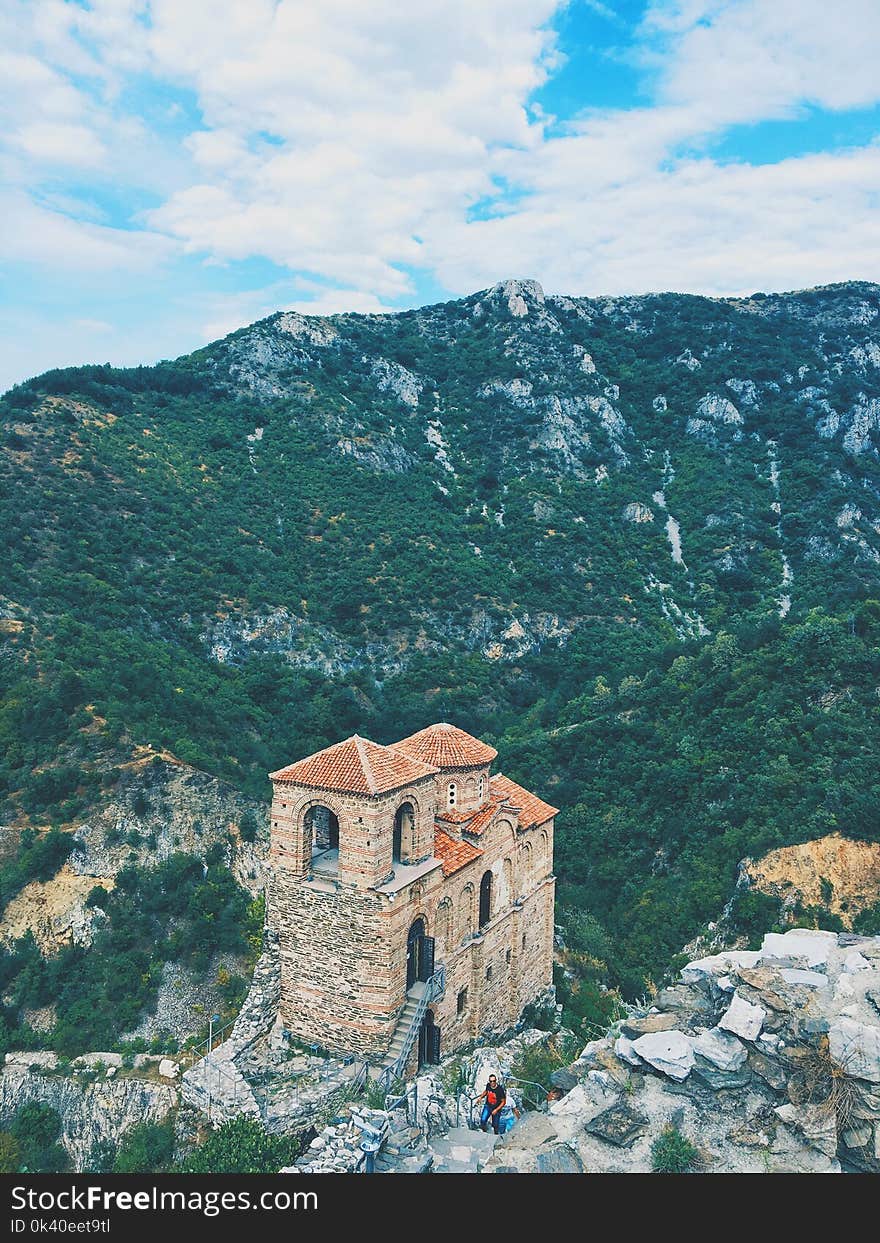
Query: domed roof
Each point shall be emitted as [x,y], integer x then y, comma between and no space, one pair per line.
[446,746]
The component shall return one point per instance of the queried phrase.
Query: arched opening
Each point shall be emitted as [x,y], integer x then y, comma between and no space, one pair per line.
[485,899]
[444,922]
[419,954]
[402,839]
[322,828]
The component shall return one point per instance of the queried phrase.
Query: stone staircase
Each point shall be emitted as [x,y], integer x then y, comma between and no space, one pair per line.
[403,1031]
[461,1151]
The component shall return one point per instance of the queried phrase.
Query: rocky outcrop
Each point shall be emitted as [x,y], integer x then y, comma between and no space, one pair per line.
[833,871]
[96,1102]
[635,511]
[55,910]
[233,640]
[160,806]
[713,415]
[767,1061]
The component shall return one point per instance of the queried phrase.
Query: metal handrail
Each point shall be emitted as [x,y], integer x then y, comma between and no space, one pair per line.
[434,987]
[529,1083]
[471,1098]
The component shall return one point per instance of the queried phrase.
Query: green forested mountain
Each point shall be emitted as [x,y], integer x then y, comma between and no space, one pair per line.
[633,541]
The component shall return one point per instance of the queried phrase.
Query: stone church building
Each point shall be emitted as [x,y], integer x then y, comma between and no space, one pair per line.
[412,893]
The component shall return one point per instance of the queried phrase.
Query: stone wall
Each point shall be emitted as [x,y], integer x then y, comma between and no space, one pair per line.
[334,968]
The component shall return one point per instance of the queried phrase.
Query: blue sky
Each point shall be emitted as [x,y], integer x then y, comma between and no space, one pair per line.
[172,171]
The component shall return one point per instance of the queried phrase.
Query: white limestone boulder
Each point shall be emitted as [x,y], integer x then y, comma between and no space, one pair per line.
[670,1052]
[856,1047]
[854,961]
[718,965]
[721,1048]
[743,1019]
[811,944]
[798,975]
[624,1049]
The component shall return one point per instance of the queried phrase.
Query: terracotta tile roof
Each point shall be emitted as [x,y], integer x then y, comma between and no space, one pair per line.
[452,815]
[475,821]
[355,766]
[446,746]
[482,818]
[452,853]
[532,810]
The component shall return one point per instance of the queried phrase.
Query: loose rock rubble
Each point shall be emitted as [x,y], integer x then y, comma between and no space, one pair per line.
[342,1146]
[767,1060]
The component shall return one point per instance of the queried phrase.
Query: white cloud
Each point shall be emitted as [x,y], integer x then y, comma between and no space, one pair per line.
[350,143]
[37,235]
[750,60]
[60,144]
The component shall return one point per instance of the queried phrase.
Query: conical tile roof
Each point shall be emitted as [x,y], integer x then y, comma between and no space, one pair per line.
[355,766]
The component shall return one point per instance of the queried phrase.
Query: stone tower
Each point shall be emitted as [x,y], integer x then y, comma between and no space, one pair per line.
[412,893]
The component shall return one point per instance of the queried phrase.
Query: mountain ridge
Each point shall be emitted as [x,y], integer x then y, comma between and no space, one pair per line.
[576,531]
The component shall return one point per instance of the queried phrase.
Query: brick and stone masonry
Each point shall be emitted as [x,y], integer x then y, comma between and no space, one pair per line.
[376,849]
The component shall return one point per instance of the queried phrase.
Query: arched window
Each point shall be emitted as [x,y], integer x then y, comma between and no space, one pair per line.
[470,788]
[482,787]
[544,848]
[485,899]
[508,897]
[466,912]
[444,921]
[323,825]
[525,859]
[451,794]
[402,841]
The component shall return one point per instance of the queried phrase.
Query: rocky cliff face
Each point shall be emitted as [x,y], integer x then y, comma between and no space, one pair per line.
[93,1108]
[160,806]
[833,871]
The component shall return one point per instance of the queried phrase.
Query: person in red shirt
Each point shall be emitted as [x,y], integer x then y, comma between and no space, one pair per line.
[495,1098]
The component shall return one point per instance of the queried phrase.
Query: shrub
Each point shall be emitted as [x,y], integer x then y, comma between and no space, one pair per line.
[672,1153]
[147,1148]
[35,1128]
[247,827]
[9,1153]
[242,1146]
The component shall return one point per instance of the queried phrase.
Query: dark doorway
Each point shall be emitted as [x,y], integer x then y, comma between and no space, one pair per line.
[414,940]
[485,899]
[419,954]
[429,1041]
